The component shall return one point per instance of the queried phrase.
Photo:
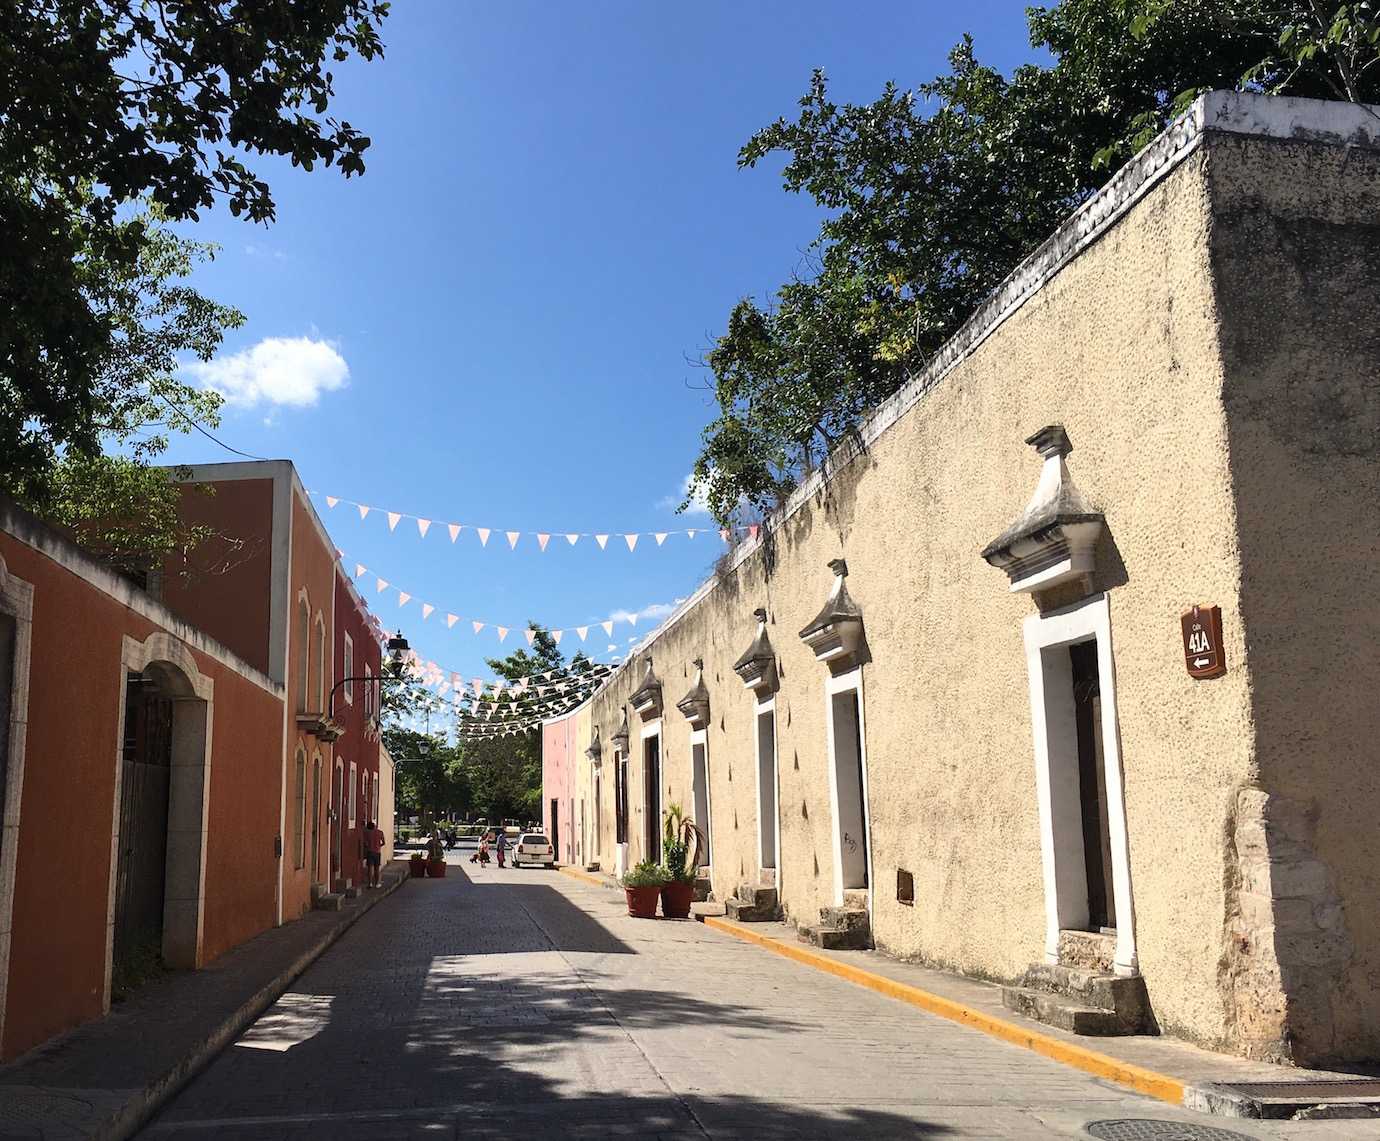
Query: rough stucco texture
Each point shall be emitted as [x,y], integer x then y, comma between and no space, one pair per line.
[1296,255]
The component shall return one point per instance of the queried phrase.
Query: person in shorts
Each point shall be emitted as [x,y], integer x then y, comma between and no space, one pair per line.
[373,852]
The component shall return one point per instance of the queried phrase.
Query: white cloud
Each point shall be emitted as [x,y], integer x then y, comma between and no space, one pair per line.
[265,252]
[699,502]
[655,610]
[292,371]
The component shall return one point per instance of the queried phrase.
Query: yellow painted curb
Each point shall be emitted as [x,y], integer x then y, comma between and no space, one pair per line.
[1070,1054]
[579,875]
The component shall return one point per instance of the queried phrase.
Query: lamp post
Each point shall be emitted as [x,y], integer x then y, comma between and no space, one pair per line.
[397,647]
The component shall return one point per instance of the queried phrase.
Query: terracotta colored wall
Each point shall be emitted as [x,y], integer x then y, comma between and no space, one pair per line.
[359,744]
[58,954]
[313,569]
[231,605]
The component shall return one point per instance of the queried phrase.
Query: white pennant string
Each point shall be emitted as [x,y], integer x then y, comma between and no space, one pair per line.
[602,540]
[451,620]
[573,538]
[477,626]
[331,501]
[542,540]
[454,529]
[393,517]
[512,539]
[363,511]
[423,526]
[631,540]
[404,598]
[427,609]
[483,533]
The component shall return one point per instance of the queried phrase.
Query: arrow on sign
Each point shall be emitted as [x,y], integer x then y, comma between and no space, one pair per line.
[1199,663]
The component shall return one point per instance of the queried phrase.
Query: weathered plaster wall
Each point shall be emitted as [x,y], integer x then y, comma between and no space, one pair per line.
[1296,255]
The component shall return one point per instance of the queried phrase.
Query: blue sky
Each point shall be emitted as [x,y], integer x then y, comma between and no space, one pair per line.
[494,326]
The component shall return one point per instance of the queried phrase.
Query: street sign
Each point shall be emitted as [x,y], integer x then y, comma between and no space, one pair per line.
[1203,653]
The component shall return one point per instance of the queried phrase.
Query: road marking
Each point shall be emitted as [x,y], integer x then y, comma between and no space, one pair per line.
[1133,1077]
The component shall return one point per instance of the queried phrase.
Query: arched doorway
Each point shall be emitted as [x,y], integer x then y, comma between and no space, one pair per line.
[157,888]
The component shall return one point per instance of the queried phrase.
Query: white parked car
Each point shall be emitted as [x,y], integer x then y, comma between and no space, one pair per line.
[534,848]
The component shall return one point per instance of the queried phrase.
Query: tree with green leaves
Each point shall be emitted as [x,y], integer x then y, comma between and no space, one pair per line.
[109,104]
[932,196]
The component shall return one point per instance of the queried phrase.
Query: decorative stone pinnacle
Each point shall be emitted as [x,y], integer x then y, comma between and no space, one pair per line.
[839,567]
[698,663]
[1051,440]
[760,614]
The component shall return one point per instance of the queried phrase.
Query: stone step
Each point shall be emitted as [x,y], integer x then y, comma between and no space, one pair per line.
[699,910]
[702,888]
[330,901]
[1125,996]
[855,898]
[1090,950]
[1065,1013]
[763,897]
[834,938]
[844,918]
[743,912]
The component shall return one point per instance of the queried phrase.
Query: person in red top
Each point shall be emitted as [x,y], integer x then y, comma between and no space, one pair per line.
[373,851]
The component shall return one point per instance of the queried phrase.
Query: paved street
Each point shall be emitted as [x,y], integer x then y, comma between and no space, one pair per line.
[528,1005]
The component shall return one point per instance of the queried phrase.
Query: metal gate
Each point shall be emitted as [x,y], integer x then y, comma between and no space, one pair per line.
[145,777]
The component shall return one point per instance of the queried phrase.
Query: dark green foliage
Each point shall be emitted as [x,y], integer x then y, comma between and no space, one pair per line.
[933,195]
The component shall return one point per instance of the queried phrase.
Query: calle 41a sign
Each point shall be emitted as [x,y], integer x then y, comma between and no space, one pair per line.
[1203,653]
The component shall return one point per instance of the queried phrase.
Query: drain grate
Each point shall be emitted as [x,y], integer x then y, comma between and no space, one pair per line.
[1306,1091]
[1147,1129]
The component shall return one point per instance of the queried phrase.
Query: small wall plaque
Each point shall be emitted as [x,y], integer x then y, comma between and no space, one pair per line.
[1203,653]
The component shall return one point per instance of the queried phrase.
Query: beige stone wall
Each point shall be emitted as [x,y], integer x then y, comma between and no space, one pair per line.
[1296,249]
[1123,346]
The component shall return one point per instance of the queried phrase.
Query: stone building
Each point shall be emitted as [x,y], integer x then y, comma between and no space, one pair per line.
[1065,674]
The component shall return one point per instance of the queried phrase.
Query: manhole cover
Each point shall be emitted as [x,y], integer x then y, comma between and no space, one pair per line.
[1147,1129]
[1307,1091]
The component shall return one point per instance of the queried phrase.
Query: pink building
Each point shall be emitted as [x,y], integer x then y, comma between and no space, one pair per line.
[559,750]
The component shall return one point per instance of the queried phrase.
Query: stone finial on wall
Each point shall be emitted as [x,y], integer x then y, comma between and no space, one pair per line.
[757,666]
[695,704]
[836,632]
[1053,540]
[646,699]
[620,737]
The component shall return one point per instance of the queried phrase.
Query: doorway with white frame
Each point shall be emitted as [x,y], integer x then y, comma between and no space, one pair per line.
[851,849]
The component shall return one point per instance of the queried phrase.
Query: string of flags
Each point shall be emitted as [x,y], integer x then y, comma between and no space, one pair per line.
[542,538]
[427,609]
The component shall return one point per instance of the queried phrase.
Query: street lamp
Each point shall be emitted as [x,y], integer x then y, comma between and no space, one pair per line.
[397,648]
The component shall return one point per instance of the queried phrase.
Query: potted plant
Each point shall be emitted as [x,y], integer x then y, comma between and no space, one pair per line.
[678,892]
[416,866]
[642,886]
[436,869]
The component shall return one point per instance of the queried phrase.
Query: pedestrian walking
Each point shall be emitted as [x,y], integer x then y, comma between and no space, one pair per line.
[502,846]
[373,852]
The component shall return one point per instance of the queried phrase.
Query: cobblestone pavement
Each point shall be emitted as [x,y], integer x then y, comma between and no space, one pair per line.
[526,1005]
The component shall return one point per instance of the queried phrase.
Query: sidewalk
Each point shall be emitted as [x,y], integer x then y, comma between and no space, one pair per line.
[1163,1067]
[106,1078]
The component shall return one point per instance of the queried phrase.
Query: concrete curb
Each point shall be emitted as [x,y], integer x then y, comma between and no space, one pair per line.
[588,877]
[146,1102]
[1132,1077]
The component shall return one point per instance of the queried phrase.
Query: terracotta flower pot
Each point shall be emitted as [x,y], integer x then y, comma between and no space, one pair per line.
[642,901]
[416,868]
[676,898]
[436,869]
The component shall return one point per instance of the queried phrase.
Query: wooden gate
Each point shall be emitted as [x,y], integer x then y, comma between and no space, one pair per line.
[145,778]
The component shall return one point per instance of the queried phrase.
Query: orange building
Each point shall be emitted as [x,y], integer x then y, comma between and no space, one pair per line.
[139,761]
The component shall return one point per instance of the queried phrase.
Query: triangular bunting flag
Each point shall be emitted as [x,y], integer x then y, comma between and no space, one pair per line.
[631,540]
[502,632]
[483,536]
[723,534]
[632,619]
[582,631]
[602,540]
[451,620]
[513,537]
[331,501]
[423,526]
[542,540]
[360,568]
[478,687]
[692,532]
[608,627]
[454,529]
[363,511]
[404,598]
[427,608]
[573,538]
[383,585]
[393,517]
[661,537]
[477,626]
[556,636]
[531,635]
